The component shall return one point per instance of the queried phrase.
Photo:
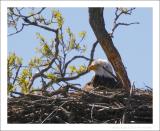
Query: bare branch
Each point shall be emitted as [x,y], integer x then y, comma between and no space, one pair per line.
[37,25]
[15,78]
[39,12]
[118,13]
[119,24]
[23,25]
[92,51]
[75,57]
[24,16]
[27,21]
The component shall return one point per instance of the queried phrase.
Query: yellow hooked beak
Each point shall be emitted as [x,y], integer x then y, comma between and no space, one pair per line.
[92,67]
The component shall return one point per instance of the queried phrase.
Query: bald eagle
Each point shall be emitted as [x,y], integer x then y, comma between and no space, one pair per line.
[104,77]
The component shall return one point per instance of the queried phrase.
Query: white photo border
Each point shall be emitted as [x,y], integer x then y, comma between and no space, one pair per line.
[153,4]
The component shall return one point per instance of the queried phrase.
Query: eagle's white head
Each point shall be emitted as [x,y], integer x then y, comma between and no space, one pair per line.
[101,67]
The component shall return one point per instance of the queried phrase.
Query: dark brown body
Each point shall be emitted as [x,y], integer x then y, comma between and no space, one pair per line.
[101,83]
[104,81]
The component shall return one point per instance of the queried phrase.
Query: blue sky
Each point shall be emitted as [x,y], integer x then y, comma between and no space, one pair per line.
[134,42]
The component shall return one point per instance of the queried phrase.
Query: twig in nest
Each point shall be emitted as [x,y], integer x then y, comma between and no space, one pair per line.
[54,111]
[92,112]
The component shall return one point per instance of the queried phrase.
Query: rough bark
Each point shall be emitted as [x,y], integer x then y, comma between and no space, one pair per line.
[98,25]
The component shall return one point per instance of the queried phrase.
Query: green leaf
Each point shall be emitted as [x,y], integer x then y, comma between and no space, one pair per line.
[72,44]
[23,83]
[24,90]
[123,9]
[10,87]
[10,73]
[18,60]
[52,76]
[81,69]
[60,37]
[46,50]
[21,80]
[78,46]
[25,72]
[39,36]
[58,16]
[11,59]
[82,34]
[72,68]
[31,63]
[68,30]
[14,60]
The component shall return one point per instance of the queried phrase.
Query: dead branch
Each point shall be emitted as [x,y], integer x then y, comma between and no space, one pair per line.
[119,12]
[17,31]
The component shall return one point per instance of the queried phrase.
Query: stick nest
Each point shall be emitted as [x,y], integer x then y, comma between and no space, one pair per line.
[113,106]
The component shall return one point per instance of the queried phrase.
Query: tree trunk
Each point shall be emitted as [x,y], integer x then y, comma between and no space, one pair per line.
[97,23]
